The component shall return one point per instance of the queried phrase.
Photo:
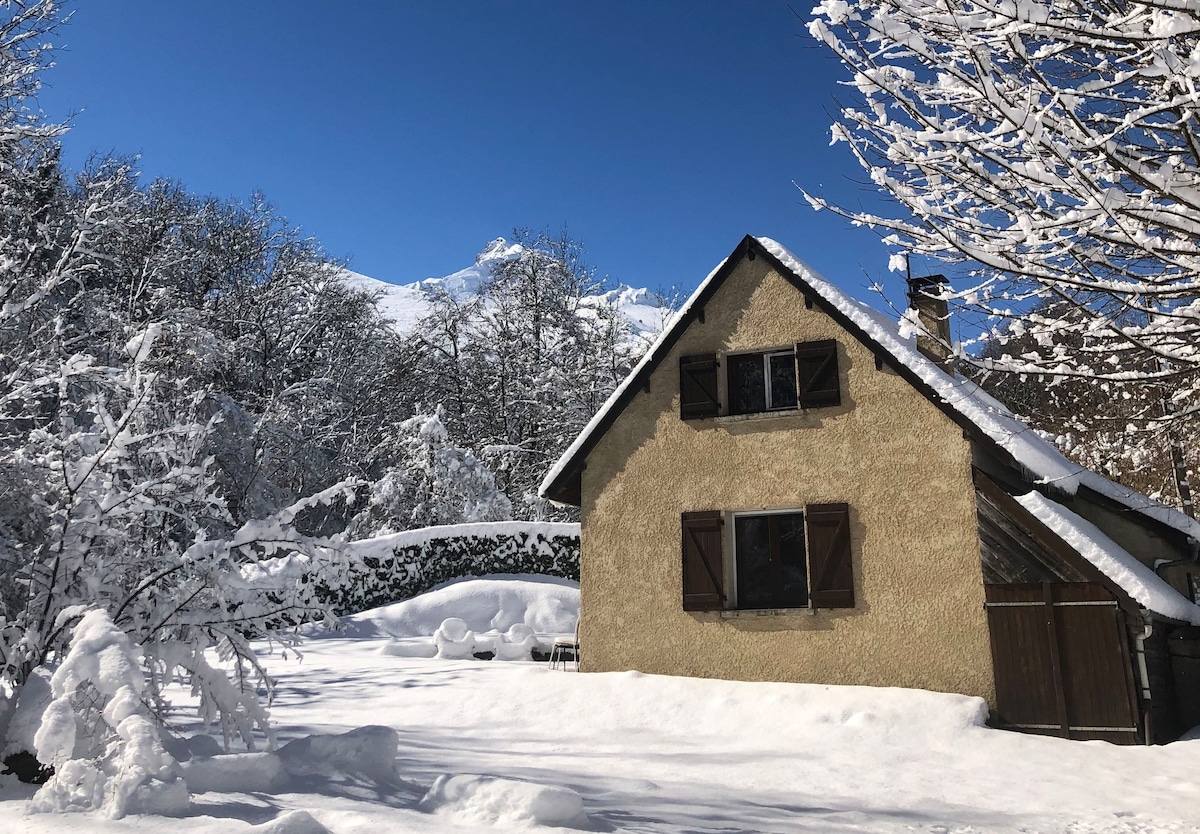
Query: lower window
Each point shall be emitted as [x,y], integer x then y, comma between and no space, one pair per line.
[789,558]
[770,561]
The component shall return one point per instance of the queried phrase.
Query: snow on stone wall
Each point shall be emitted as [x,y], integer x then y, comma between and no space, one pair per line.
[402,565]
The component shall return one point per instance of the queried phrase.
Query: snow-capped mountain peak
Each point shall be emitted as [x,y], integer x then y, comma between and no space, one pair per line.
[406,304]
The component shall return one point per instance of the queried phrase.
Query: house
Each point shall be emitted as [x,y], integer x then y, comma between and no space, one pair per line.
[787,488]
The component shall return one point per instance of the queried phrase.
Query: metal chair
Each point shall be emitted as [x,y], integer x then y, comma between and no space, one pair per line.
[565,650]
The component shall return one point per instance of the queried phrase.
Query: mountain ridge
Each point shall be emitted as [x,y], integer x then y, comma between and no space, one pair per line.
[406,304]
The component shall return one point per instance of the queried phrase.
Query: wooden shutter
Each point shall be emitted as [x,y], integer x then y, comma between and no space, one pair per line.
[703,567]
[831,573]
[817,379]
[698,386]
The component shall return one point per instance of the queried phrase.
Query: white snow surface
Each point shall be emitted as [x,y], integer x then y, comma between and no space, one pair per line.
[1038,455]
[471,746]
[488,799]
[548,605]
[407,304]
[1140,582]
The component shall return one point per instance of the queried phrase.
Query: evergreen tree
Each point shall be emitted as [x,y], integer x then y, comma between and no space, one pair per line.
[436,482]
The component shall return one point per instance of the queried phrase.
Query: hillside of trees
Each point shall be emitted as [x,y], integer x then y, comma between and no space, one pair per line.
[193,401]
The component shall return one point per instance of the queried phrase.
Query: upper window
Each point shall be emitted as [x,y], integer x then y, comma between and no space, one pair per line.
[762,382]
[780,559]
[805,376]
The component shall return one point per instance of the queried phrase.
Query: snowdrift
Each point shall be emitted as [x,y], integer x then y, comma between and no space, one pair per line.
[548,605]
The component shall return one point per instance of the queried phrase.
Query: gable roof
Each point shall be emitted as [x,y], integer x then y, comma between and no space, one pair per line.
[983,418]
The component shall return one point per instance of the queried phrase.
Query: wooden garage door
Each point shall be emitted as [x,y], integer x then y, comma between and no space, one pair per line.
[1061,661]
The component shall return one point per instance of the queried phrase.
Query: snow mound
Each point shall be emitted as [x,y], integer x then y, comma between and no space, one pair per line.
[368,752]
[490,799]
[235,773]
[454,640]
[517,643]
[293,822]
[364,751]
[547,605]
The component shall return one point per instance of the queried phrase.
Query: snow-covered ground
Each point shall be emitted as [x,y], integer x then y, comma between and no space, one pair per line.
[492,746]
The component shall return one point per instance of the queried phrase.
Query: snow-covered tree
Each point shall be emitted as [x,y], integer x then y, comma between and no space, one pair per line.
[117,509]
[1052,149]
[1105,426]
[115,374]
[436,482]
[523,367]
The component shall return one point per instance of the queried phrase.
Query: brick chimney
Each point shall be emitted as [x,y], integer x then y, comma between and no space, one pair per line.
[934,315]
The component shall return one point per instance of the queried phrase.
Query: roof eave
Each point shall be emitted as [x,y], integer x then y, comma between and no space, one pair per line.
[566,488]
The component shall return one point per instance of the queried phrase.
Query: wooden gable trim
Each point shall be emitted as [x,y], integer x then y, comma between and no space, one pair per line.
[567,487]
[1044,536]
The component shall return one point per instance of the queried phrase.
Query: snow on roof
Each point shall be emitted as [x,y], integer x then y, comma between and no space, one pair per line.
[1038,455]
[1140,582]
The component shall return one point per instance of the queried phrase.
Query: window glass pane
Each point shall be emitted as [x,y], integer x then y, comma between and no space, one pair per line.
[783,380]
[793,568]
[747,384]
[754,574]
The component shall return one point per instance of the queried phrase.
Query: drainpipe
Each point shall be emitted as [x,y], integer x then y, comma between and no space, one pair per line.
[1140,651]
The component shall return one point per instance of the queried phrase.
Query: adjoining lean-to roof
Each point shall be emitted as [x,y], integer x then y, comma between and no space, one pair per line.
[982,417]
[1141,583]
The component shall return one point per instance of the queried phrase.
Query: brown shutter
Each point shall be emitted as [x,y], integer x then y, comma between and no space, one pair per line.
[698,386]
[703,568]
[831,573]
[817,374]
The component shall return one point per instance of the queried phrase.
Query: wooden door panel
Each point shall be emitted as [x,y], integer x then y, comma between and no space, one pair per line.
[1059,660]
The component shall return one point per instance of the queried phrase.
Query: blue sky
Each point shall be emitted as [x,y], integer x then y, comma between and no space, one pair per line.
[405,136]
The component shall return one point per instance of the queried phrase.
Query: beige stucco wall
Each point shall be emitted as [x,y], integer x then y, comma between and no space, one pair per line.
[903,467]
